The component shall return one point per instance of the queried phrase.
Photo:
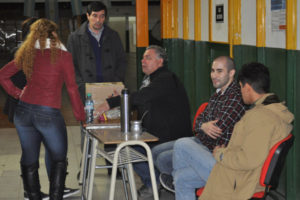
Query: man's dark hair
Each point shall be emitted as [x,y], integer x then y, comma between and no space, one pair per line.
[26,26]
[161,53]
[256,75]
[96,6]
[230,64]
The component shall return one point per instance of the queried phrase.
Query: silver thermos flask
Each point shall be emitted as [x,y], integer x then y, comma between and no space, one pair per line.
[125,111]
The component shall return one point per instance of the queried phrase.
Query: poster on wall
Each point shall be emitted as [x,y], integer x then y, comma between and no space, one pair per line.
[278,15]
[220,13]
[219,28]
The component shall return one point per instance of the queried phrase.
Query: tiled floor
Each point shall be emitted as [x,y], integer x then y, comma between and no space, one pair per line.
[11,187]
[10,181]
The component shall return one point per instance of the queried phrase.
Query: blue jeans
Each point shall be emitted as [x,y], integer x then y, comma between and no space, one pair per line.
[142,169]
[192,163]
[162,157]
[36,124]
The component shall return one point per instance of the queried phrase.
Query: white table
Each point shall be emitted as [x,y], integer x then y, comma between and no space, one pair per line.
[124,155]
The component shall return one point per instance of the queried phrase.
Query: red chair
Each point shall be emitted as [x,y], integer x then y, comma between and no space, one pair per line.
[272,167]
[199,111]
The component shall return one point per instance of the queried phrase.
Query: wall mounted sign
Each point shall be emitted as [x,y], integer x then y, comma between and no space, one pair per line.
[219,21]
[278,14]
[220,13]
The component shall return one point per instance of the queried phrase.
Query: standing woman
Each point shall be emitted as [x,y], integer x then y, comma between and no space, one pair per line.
[47,66]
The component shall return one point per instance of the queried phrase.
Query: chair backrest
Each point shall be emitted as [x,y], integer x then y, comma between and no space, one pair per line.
[199,111]
[274,163]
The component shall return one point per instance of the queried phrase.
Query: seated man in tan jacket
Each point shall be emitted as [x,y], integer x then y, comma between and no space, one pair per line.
[237,171]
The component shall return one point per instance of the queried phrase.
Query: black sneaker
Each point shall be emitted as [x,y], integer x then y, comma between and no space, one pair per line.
[167,182]
[145,192]
[70,192]
[44,196]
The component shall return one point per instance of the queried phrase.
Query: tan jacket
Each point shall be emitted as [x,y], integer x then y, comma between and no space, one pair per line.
[237,172]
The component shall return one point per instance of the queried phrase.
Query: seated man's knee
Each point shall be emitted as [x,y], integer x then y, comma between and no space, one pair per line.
[164,162]
[182,143]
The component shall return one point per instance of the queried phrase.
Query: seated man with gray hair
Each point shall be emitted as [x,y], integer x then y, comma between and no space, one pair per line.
[163,96]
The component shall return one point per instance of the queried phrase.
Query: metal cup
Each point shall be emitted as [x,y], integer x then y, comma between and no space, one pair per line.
[136,126]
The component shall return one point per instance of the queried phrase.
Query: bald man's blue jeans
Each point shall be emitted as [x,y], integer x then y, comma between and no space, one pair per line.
[192,164]
[142,169]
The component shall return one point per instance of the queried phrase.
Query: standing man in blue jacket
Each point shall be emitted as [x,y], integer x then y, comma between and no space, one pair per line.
[97,51]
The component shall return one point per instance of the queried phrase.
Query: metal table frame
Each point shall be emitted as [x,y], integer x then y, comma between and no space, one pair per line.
[122,157]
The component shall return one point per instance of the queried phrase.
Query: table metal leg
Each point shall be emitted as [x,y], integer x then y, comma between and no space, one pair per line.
[130,170]
[127,156]
[114,174]
[84,157]
[91,169]
[152,172]
[85,165]
[124,181]
[131,181]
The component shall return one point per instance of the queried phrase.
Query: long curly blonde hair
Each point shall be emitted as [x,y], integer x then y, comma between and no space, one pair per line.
[39,30]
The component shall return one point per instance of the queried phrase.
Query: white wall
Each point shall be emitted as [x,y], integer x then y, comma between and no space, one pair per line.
[248,22]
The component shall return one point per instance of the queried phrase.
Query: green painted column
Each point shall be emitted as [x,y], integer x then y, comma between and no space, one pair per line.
[293,93]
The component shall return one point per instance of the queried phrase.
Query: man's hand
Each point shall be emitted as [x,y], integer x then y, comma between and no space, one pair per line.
[211,129]
[216,148]
[115,93]
[101,109]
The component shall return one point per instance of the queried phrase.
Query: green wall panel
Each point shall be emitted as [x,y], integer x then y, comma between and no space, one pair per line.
[202,73]
[167,45]
[189,71]
[243,54]
[275,60]
[261,55]
[174,48]
[217,49]
[293,93]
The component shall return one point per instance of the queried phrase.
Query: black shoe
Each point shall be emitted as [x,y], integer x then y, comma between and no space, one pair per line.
[44,196]
[145,192]
[70,192]
[167,182]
